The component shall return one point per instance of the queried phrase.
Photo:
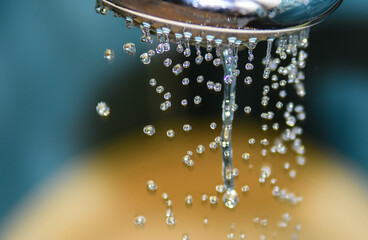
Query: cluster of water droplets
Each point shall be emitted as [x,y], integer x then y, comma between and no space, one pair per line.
[283,69]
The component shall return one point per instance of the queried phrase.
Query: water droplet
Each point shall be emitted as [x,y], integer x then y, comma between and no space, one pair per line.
[213,200]
[177,69]
[248,80]
[213,125]
[213,145]
[242,236]
[204,197]
[185,81]
[210,85]
[185,237]
[186,64]
[102,109]
[247,109]
[167,95]
[252,141]
[300,160]
[129,48]
[179,48]
[292,173]
[145,59]
[200,149]
[139,221]
[109,54]
[170,221]
[217,87]
[151,185]
[230,198]
[187,52]
[165,105]
[199,59]
[160,49]
[217,62]
[208,57]
[160,89]
[249,66]
[245,188]
[205,221]
[230,236]
[170,133]
[187,127]
[220,188]
[151,53]
[167,62]
[188,200]
[149,130]
[245,156]
[184,102]
[197,99]
[152,82]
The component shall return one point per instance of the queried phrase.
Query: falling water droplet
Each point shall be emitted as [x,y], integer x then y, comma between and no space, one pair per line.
[145,59]
[109,54]
[129,48]
[102,109]
[149,130]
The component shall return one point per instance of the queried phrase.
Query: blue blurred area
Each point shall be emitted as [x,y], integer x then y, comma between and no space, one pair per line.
[52,74]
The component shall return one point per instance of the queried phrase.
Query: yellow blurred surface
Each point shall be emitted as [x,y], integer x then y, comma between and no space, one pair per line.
[98,198]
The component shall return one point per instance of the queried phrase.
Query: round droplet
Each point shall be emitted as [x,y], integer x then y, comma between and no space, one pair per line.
[167,62]
[210,85]
[230,198]
[170,133]
[249,66]
[205,221]
[217,62]
[200,149]
[217,87]
[185,81]
[248,80]
[252,141]
[165,196]
[102,109]
[197,99]
[149,130]
[109,54]
[247,109]
[187,127]
[245,156]
[213,145]
[208,57]
[129,48]
[151,185]
[139,221]
[230,236]
[213,200]
[213,125]
[145,59]
[160,89]
[200,79]
[152,82]
[184,102]
[188,200]
[245,188]
[186,64]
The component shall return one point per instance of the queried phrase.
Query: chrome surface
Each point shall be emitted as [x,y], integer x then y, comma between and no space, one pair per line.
[223,18]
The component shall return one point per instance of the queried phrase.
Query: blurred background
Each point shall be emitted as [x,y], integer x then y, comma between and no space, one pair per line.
[52,75]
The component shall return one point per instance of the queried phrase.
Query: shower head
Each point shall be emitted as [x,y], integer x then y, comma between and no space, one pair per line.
[225,18]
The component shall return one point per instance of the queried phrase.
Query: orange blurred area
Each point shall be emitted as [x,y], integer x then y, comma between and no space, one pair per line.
[100,197]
